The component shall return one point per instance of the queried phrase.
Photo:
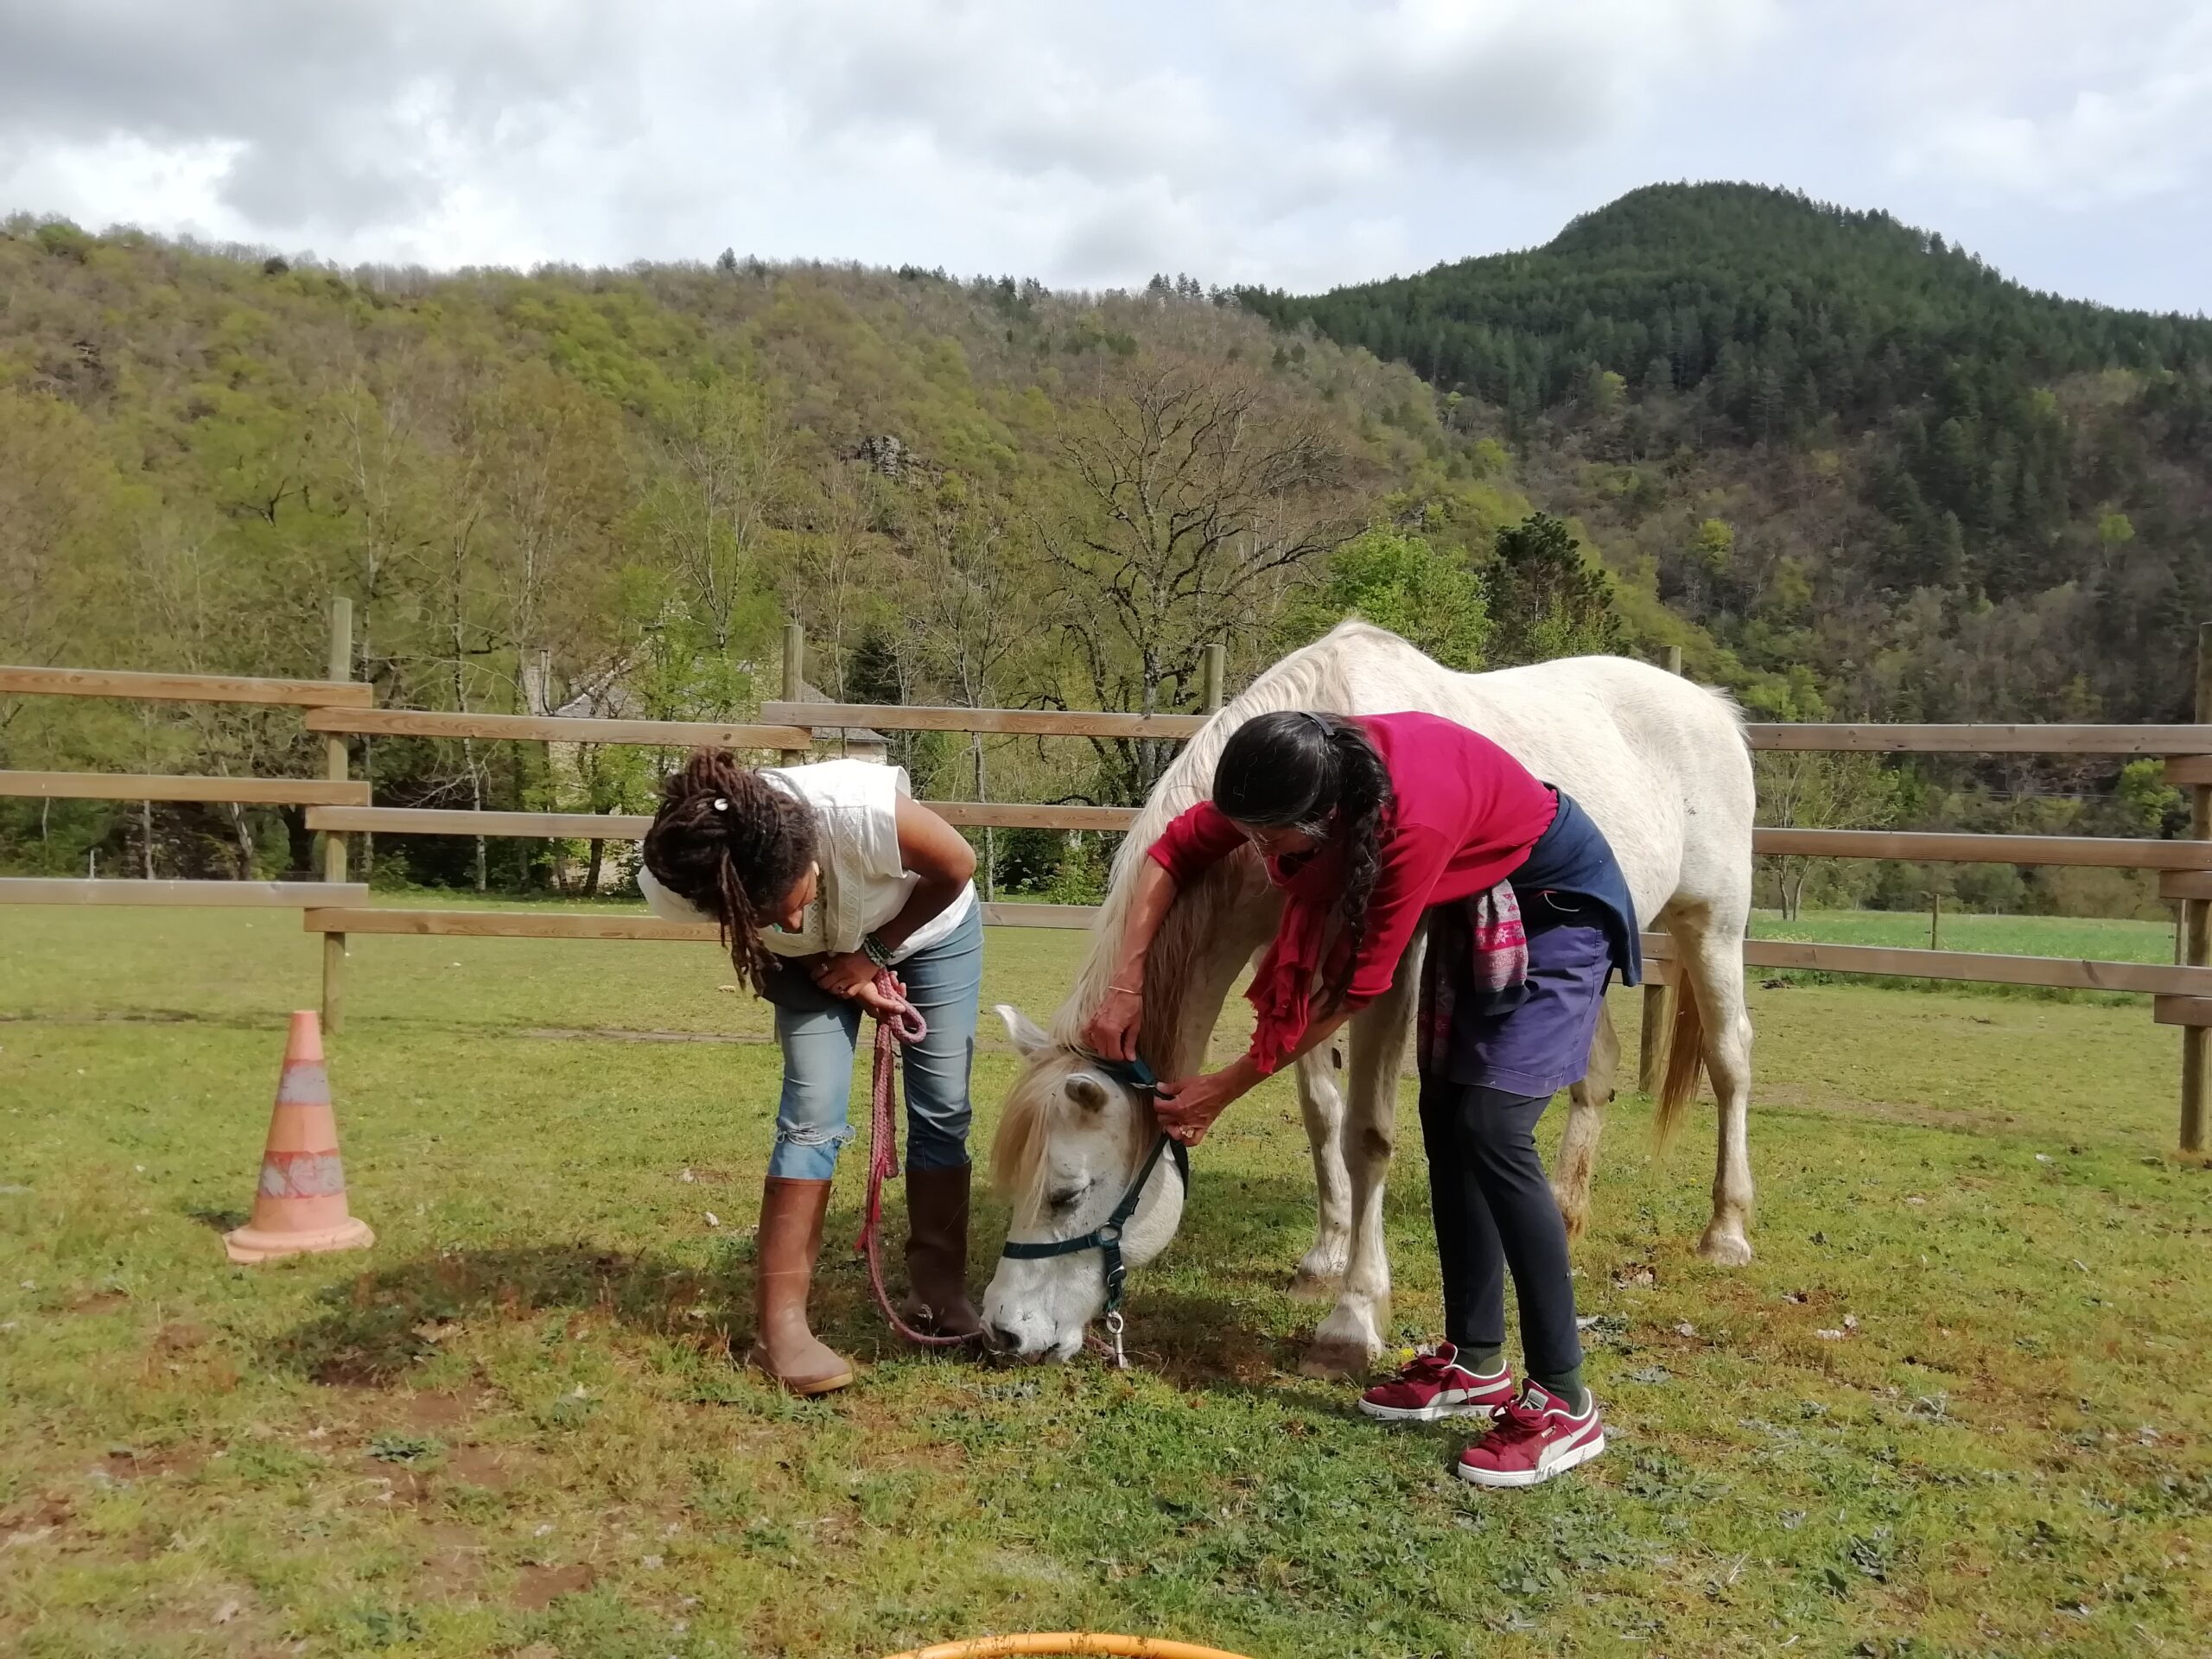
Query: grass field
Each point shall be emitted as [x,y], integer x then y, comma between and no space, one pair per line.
[514,1428]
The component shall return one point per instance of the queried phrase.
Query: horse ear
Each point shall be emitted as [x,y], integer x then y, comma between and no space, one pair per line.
[1086,1091]
[1026,1038]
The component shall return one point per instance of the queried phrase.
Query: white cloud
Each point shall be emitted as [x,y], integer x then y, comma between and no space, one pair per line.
[2062,106]
[1514,77]
[1295,143]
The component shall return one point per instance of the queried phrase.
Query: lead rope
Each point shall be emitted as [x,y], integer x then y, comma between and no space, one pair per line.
[902,1024]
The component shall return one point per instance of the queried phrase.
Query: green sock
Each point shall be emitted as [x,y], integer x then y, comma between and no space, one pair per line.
[1567,1385]
[1484,1359]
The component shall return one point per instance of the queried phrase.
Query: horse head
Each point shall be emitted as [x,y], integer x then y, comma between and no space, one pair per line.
[1075,1142]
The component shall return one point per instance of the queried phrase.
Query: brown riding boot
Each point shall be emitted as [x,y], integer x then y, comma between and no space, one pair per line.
[789,1242]
[937,1254]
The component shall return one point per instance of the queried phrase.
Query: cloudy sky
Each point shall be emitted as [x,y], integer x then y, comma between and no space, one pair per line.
[1295,142]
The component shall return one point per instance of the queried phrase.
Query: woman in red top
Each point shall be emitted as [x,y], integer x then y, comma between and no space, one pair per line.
[1369,825]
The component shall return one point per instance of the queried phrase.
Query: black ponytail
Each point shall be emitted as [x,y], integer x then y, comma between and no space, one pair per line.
[1316,773]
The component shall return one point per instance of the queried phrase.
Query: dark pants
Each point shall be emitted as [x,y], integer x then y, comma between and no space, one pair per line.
[1494,1210]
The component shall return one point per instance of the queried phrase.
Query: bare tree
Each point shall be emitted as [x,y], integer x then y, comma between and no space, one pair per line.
[837,568]
[972,610]
[715,507]
[1805,790]
[1197,499]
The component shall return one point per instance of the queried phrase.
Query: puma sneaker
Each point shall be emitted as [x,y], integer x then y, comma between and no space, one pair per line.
[1434,1386]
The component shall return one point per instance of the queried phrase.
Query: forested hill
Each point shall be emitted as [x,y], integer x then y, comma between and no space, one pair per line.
[603,491]
[1789,311]
[1757,393]
[1852,473]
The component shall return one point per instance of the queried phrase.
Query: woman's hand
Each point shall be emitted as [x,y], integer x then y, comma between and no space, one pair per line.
[846,974]
[1113,1031]
[875,1002]
[1187,1108]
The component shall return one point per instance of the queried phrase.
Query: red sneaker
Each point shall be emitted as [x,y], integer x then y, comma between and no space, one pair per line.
[1537,1437]
[1436,1385]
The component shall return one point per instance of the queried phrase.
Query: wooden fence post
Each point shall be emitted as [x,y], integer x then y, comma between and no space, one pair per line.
[1216,672]
[794,677]
[333,840]
[2197,921]
[1658,995]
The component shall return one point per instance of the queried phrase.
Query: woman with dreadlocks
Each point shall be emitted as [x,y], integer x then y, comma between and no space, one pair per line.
[1371,826]
[819,876]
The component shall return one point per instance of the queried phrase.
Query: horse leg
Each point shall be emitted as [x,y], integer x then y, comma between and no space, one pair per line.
[1321,1103]
[1586,1118]
[1351,1336]
[1712,960]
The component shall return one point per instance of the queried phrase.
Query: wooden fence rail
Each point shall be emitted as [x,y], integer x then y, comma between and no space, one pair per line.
[123,786]
[182,688]
[338,807]
[556,728]
[2163,740]
[222,895]
[2103,852]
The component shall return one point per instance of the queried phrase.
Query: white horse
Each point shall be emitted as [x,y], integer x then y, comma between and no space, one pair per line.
[1657,760]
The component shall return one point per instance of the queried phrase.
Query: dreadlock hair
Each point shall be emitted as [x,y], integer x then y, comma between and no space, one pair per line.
[1316,773]
[733,845]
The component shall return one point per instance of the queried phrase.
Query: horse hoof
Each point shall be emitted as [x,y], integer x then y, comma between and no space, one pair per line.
[1336,1362]
[1572,1210]
[1308,1285]
[1725,1249]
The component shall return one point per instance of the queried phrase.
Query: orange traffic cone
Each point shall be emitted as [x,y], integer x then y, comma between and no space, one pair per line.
[301,1204]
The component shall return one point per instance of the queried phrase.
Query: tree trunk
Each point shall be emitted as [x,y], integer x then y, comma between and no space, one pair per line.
[146,835]
[242,834]
[592,869]
[990,842]
[299,842]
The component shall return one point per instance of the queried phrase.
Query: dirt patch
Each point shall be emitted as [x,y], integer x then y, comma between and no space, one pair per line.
[478,1465]
[128,1462]
[436,1411]
[36,1520]
[403,1485]
[181,1337]
[560,1034]
[540,1586]
[453,1561]
[100,1301]
[1929,1117]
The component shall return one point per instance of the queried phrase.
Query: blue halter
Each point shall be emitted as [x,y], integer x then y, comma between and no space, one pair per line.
[1106,1238]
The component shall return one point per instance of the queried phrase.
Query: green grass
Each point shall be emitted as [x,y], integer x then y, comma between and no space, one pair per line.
[514,1428]
[2098,937]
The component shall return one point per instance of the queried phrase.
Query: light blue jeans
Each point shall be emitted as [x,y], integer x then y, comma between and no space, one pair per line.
[812,1122]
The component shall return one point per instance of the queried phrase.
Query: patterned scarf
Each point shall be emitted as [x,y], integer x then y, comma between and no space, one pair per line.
[1484,934]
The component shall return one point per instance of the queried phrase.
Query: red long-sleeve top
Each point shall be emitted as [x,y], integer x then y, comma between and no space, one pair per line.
[1463,816]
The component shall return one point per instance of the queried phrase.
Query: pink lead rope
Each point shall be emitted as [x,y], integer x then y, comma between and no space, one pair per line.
[904,1024]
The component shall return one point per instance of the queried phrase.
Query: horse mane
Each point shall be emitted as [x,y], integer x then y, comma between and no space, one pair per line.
[1017,1148]
[1314,678]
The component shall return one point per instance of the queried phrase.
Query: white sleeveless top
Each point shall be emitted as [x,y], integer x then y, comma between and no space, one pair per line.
[864,882]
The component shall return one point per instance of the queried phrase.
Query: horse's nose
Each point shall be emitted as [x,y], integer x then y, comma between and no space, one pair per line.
[1000,1338]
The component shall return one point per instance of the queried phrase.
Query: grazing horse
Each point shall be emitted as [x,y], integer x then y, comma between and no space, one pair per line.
[1657,760]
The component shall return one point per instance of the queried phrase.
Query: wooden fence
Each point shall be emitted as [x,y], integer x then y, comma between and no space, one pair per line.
[338,807]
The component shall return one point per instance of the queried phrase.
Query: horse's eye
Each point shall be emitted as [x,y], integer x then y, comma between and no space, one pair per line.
[1065,1198]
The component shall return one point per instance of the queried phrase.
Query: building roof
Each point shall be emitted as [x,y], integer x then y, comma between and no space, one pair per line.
[615,700]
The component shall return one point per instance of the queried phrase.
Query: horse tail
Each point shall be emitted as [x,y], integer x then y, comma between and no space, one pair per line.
[1685,1056]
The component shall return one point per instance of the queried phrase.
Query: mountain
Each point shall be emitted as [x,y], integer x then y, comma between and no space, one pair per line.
[1849,470]
[607,489]
[1837,444]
